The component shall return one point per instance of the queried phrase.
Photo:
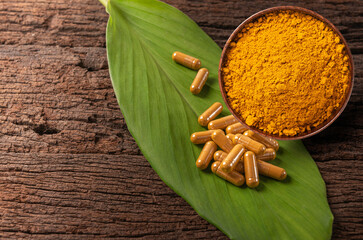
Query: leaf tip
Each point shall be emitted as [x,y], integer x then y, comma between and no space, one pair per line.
[104,3]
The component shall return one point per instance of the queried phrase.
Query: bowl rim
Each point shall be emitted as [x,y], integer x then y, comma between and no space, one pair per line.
[347,96]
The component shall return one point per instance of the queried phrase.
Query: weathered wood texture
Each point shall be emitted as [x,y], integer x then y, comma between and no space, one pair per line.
[70,169]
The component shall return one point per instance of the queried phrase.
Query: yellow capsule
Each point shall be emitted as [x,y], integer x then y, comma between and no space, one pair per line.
[206,155]
[201,137]
[186,60]
[268,155]
[236,128]
[199,81]
[233,177]
[272,171]
[222,141]
[222,123]
[219,155]
[250,144]
[233,158]
[211,113]
[251,170]
[268,142]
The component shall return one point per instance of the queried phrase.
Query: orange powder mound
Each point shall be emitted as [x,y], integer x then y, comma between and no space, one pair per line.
[286,73]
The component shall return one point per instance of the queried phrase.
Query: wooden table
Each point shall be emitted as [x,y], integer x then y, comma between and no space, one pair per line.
[69,167]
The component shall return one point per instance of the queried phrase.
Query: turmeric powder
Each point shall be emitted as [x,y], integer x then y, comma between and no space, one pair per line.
[286,73]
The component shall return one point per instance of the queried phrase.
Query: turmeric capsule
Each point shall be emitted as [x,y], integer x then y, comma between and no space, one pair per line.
[222,141]
[199,81]
[222,123]
[236,128]
[233,177]
[233,157]
[250,144]
[235,139]
[206,155]
[201,137]
[219,155]
[239,167]
[268,155]
[251,170]
[211,113]
[230,136]
[186,60]
[272,171]
[268,142]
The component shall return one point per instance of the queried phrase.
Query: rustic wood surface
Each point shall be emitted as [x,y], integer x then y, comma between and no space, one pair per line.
[70,169]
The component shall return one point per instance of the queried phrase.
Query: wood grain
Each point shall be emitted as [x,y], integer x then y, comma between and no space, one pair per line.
[69,167]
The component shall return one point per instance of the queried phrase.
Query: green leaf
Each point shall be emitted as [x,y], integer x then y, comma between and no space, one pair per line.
[161,113]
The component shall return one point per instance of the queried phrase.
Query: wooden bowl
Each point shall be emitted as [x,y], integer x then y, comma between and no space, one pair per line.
[334,115]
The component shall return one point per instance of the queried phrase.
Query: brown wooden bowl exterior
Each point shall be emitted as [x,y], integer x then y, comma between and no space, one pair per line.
[333,117]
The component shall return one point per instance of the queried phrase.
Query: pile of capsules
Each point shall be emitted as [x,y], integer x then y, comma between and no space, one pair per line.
[242,150]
